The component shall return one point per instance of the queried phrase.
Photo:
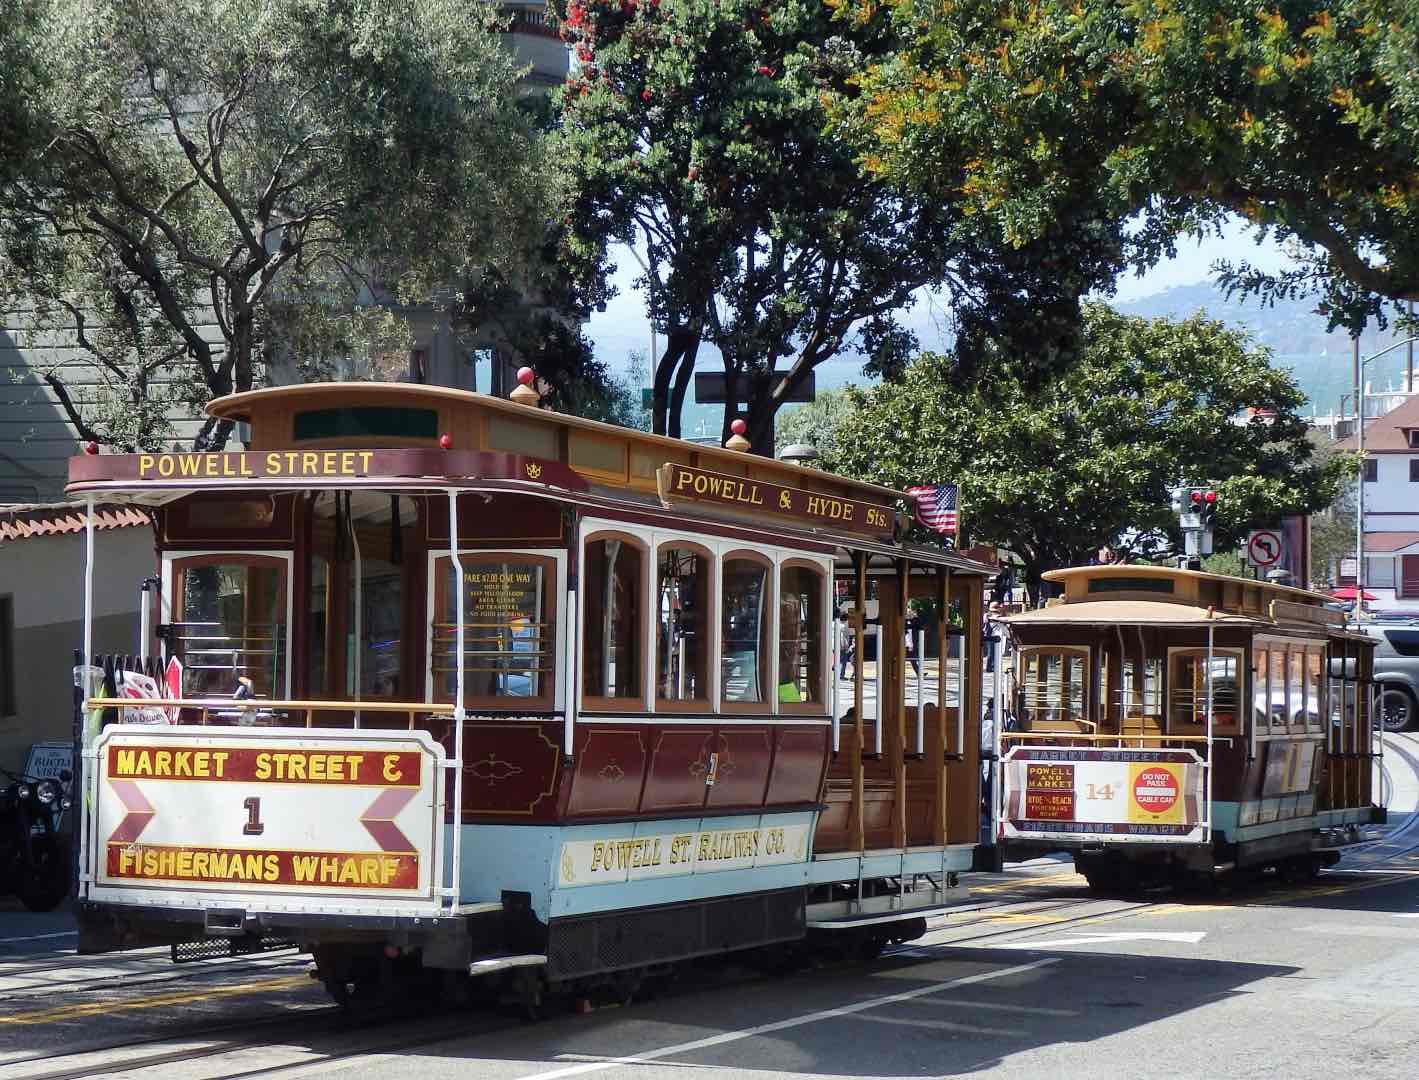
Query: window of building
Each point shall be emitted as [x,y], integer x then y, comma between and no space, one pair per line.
[1372,470]
[1055,685]
[744,629]
[613,614]
[1412,435]
[801,625]
[1187,692]
[229,623]
[509,617]
[7,656]
[682,614]
[1414,470]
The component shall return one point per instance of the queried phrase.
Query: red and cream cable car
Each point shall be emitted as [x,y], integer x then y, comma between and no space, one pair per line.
[614,653]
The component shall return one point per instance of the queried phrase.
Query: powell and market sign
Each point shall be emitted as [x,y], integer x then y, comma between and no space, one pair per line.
[699,485]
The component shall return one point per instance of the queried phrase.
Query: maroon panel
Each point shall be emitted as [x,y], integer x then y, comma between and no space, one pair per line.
[610,770]
[679,759]
[799,763]
[510,771]
[503,517]
[832,831]
[745,754]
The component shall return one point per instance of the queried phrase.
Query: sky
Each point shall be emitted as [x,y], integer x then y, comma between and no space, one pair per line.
[623,326]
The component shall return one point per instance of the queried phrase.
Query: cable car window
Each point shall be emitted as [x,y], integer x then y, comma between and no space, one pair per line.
[1261,669]
[1142,698]
[318,615]
[800,636]
[1296,687]
[682,608]
[1055,685]
[230,623]
[1315,689]
[613,576]
[744,630]
[509,622]
[374,646]
[1278,710]
[1187,692]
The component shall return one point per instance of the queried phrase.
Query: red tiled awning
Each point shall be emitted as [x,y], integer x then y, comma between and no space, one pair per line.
[1377,542]
[23,521]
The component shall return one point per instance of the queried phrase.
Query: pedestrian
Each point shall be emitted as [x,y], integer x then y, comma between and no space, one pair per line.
[911,650]
[846,645]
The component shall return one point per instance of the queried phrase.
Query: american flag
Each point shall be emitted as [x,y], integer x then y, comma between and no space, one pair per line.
[936,507]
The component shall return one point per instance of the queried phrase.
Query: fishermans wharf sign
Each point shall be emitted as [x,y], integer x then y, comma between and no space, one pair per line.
[810,507]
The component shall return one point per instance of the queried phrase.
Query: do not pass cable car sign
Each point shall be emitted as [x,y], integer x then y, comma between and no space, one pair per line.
[347,819]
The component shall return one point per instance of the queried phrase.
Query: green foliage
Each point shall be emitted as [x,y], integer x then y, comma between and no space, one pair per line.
[1058,471]
[1302,117]
[816,423]
[223,183]
[698,132]
[1231,563]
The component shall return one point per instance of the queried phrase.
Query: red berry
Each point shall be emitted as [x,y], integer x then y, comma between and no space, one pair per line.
[764,69]
[693,174]
[646,95]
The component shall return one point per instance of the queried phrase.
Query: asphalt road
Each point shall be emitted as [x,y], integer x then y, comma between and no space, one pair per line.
[1274,979]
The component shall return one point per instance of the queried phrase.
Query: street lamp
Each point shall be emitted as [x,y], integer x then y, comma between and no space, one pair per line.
[1360,449]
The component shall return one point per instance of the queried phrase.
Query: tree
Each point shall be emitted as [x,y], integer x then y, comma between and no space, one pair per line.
[816,424]
[1057,471]
[210,170]
[696,132]
[1301,117]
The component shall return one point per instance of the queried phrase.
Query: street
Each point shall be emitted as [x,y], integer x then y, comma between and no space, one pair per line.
[1035,978]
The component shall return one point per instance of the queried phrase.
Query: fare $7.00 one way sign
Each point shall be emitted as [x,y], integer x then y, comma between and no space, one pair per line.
[342,815]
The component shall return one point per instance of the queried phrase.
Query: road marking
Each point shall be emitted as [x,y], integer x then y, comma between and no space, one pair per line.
[1030,882]
[38,937]
[100,1008]
[1189,937]
[938,1025]
[1405,915]
[781,1025]
[999,1006]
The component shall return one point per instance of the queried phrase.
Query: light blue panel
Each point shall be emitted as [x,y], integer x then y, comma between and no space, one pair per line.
[1224,818]
[524,858]
[824,871]
[1273,828]
[672,890]
[880,866]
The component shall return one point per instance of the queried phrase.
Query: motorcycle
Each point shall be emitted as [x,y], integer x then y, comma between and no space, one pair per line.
[34,857]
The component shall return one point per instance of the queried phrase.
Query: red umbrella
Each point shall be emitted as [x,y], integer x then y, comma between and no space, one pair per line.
[1348,593]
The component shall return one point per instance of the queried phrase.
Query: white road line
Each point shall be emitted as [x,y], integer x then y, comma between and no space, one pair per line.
[1188,937]
[1000,1006]
[38,937]
[781,1025]
[937,1025]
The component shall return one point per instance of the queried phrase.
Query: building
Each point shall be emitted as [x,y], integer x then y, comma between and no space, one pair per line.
[41,611]
[1391,511]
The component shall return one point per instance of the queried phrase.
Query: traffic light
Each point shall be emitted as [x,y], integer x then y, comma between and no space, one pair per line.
[1209,508]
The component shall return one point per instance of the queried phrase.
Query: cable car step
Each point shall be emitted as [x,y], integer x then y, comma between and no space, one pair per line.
[489,964]
[842,914]
[186,952]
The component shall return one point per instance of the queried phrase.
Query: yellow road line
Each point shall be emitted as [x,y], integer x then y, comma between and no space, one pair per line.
[100,1008]
[1026,883]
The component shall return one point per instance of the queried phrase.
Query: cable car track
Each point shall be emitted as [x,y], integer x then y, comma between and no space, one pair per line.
[100,980]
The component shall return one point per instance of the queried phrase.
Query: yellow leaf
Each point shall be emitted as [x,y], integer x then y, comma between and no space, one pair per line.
[1032,88]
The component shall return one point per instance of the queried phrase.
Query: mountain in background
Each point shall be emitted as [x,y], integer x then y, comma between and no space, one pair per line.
[1322,363]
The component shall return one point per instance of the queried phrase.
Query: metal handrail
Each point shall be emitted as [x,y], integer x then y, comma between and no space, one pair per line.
[1061,735]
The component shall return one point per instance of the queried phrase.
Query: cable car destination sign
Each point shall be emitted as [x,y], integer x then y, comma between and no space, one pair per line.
[675,481]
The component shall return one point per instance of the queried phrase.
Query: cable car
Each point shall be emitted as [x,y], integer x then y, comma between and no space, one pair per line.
[1169,725]
[438,683]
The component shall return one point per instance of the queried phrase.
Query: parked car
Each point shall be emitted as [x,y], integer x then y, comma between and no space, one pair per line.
[1396,671]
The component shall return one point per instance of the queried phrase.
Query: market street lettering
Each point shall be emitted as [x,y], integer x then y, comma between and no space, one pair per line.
[383,769]
[683,482]
[274,464]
